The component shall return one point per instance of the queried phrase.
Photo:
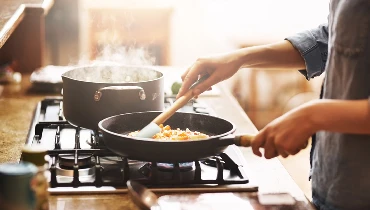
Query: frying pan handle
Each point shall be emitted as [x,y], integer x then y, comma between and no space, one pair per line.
[99,93]
[244,140]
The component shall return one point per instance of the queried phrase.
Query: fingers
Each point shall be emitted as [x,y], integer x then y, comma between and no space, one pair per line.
[273,154]
[200,76]
[185,73]
[279,144]
[285,148]
[270,150]
[271,147]
[206,84]
[299,148]
[261,140]
[197,92]
[305,145]
[190,76]
[282,152]
[258,142]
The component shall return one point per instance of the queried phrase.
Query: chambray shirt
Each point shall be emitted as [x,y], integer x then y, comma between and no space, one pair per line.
[340,162]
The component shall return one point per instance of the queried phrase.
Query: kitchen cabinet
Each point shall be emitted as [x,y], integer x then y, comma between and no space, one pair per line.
[22,33]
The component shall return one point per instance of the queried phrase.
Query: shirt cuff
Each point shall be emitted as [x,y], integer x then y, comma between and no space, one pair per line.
[307,46]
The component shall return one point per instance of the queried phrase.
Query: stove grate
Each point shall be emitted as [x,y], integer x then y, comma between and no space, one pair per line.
[151,174]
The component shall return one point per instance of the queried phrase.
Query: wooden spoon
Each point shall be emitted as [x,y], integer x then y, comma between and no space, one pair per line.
[153,127]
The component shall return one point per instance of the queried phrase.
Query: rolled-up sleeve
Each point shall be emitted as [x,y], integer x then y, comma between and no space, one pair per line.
[313,47]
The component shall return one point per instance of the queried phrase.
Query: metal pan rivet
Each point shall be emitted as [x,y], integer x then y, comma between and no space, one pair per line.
[97,95]
[142,95]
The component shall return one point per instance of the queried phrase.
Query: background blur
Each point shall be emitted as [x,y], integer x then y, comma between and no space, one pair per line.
[164,32]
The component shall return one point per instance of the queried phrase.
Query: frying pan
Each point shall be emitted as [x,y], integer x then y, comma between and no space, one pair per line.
[115,131]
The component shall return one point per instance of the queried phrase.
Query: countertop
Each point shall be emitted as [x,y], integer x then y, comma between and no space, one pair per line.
[12,13]
[17,104]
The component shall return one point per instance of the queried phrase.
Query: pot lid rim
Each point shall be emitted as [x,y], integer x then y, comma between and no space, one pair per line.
[151,68]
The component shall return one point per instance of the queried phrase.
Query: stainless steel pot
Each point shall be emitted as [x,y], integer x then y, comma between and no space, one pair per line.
[93,93]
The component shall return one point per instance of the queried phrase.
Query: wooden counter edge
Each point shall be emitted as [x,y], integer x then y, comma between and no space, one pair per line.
[20,13]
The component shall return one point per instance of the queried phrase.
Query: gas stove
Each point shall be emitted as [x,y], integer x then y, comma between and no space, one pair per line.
[80,163]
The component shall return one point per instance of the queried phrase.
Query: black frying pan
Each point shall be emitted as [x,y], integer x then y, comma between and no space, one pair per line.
[116,128]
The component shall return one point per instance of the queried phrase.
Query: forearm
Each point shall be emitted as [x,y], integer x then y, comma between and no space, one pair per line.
[274,56]
[343,116]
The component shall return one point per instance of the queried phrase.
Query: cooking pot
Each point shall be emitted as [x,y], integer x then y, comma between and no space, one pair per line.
[93,93]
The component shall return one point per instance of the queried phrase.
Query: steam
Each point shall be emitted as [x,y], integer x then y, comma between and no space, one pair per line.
[116,60]
[122,55]
[116,65]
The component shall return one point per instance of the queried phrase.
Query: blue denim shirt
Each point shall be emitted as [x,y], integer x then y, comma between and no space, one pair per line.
[340,162]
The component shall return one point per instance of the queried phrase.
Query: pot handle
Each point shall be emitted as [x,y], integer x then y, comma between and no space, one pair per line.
[99,93]
[244,140]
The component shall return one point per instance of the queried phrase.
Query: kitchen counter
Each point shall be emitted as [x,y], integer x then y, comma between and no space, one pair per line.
[17,104]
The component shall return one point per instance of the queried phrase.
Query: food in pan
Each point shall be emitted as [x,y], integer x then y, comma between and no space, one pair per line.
[175,134]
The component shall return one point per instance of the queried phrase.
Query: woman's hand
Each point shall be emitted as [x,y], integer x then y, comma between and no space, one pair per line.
[219,68]
[286,135]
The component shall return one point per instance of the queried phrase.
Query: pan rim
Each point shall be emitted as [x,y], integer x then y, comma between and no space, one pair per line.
[100,126]
[115,83]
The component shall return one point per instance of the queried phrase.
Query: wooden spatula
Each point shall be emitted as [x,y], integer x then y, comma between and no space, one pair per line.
[152,128]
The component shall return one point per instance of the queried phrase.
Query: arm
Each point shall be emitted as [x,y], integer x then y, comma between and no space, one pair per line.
[274,56]
[313,47]
[343,116]
[221,67]
[283,136]
[306,50]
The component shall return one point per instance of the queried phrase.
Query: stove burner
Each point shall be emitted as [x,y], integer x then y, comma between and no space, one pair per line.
[68,161]
[148,168]
[188,166]
[84,172]
[168,171]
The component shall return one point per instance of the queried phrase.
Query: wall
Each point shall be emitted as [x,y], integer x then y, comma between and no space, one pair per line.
[203,27]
